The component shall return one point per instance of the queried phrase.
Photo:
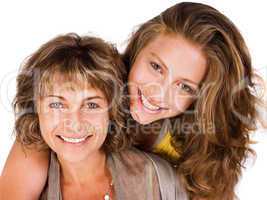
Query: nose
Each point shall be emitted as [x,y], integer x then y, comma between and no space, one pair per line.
[74,122]
[158,93]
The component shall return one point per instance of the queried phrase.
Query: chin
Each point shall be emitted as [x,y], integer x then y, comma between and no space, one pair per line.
[72,158]
[69,155]
[142,120]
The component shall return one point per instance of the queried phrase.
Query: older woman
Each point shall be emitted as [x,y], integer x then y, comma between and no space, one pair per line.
[69,100]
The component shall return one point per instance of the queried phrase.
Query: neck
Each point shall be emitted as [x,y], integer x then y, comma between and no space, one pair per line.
[89,170]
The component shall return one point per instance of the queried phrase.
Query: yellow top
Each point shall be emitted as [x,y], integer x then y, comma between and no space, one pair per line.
[165,149]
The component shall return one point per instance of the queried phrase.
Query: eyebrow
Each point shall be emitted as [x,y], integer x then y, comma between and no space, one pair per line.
[165,66]
[190,81]
[85,99]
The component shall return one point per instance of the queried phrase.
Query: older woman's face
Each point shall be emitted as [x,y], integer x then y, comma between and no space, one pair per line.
[165,78]
[73,122]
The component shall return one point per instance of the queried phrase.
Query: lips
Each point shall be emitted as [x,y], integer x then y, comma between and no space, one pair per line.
[73,140]
[147,105]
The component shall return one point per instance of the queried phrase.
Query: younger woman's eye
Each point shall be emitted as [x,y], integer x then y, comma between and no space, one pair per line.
[56,105]
[186,88]
[92,105]
[156,67]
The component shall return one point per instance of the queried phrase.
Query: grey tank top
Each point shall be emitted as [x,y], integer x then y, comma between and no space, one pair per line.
[136,176]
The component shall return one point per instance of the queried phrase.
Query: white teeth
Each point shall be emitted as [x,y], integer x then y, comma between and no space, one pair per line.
[149,105]
[73,140]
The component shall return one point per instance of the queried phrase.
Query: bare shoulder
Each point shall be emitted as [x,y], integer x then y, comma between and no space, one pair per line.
[24,174]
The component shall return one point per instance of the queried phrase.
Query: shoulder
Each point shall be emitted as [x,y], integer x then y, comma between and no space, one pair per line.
[52,189]
[138,160]
[139,157]
[132,169]
[131,158]
[170,184]
[140,163]
[26,179]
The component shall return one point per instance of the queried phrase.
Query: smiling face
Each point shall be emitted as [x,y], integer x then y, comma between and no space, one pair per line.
[165,78]
[73,120]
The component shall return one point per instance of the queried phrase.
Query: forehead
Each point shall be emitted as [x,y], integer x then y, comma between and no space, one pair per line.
[179,55]
[65,86]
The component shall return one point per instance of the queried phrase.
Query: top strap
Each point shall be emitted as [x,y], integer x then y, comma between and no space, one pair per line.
[170,186]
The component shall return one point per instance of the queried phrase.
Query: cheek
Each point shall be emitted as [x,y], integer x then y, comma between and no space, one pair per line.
[98,121]
[180,105]
[48,122]
[100,124]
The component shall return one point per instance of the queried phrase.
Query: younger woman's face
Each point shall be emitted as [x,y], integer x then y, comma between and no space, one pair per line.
[165,78]
[73,122]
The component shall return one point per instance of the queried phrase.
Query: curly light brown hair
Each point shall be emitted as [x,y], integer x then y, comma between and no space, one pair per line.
[80,60]
[212,154]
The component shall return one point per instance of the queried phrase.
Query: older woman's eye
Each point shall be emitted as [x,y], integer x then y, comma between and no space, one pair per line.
[156,67]
[92,105]
[186,88]
[56,105]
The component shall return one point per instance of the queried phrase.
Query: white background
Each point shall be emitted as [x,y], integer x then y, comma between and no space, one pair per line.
[24,25]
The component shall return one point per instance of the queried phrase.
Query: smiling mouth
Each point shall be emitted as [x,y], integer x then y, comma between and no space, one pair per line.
[73,140]
[147,104]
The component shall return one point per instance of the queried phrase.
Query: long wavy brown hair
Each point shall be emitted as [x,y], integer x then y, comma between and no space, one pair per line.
[213,152]
[81,61]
